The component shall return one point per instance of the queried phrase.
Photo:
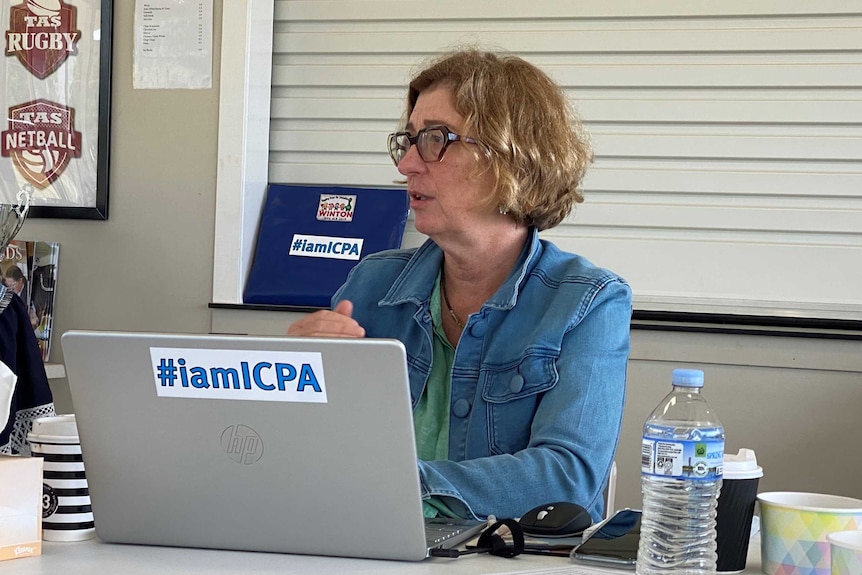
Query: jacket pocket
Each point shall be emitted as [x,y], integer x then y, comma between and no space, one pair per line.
[512,394]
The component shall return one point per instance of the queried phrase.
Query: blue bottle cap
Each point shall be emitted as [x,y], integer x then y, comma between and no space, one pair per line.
[687,377]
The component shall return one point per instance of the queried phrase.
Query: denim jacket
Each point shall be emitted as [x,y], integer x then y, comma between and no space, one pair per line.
[538,383]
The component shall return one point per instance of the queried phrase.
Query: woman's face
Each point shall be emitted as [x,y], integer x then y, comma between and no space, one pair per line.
[448,198]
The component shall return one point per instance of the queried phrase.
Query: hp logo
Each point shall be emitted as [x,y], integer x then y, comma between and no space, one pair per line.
[242,444]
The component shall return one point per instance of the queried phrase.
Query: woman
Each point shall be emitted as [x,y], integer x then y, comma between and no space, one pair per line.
[516,350]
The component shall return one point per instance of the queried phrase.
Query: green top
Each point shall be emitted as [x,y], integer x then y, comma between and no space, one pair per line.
[431,416]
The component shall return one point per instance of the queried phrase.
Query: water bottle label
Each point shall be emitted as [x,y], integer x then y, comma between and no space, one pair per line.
[682,459]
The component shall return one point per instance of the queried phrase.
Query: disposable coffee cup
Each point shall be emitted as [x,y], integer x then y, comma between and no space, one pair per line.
[66,511]
[736,509]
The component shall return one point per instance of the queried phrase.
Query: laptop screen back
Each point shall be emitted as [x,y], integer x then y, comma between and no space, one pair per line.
[295,445]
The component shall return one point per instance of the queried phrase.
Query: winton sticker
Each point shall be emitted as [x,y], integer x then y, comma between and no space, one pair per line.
[334,208]
[239,374]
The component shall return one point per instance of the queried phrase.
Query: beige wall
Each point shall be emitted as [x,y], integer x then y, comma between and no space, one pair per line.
[149,267]
[795,401]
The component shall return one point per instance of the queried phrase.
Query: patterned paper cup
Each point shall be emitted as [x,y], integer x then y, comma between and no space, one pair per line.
[794,528]
[845,547]
[66,511]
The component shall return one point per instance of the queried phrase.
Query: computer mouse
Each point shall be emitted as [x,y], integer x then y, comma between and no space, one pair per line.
[560,519]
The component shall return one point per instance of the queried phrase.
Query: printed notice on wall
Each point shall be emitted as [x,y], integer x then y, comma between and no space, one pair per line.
[173,44]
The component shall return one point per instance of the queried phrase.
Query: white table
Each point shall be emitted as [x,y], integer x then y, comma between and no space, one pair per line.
[94,557]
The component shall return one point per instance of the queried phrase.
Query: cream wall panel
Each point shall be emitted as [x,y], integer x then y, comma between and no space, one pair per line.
[638,142]
[566,41]
[514,9]
[619,72]
[725,133]
[729,134]
[820,185]
[609,106]
[821,181]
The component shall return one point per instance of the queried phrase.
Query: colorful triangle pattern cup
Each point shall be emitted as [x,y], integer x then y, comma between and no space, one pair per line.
[795,526]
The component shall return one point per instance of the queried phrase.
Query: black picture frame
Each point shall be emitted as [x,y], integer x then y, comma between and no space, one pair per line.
[98,209]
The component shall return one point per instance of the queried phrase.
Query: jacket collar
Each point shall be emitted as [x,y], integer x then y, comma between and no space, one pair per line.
[416,281]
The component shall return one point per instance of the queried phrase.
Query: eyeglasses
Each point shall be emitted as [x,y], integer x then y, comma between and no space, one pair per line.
[431,143]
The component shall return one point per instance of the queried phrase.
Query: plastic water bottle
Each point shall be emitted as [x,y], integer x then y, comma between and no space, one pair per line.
[681,467]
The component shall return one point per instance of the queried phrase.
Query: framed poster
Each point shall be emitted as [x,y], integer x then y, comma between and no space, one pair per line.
[56,100]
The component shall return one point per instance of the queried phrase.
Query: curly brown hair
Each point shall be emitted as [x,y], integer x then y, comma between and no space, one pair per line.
[534,141]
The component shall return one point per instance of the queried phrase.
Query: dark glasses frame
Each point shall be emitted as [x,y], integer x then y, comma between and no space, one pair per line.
[396,148]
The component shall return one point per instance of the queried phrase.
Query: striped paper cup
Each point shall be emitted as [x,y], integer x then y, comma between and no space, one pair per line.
[66,511]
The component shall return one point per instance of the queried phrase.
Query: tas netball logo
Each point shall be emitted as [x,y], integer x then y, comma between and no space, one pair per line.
[41,140]
[42,34]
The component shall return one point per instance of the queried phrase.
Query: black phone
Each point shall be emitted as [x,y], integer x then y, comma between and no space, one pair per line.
[614,541]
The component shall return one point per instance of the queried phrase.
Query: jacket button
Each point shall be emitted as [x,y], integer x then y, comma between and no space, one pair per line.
[516,384]
[479,328]
[461,408]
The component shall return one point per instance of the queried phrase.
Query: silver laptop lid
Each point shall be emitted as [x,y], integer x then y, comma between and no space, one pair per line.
[294,445]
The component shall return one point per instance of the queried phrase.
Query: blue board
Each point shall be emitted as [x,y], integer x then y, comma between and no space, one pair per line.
[310,237]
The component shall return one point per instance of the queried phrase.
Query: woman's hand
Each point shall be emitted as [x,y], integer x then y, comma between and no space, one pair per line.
[325,323]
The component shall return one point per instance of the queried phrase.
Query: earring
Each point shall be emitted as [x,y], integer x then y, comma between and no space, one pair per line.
[503,211]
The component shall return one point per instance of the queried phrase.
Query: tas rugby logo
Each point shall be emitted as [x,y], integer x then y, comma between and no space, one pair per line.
[41,140]
[42,34]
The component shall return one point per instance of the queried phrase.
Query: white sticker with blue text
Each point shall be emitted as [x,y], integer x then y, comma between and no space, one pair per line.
[326,247]
[239,374]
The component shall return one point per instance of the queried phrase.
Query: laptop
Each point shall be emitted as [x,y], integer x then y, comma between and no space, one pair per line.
[288,445]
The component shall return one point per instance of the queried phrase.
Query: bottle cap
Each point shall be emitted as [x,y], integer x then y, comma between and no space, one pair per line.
[742,465]
[687,377]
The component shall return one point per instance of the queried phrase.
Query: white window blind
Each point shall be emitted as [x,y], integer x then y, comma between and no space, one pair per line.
[728,135]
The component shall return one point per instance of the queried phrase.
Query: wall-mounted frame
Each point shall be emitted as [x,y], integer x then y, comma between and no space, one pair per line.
[56,98]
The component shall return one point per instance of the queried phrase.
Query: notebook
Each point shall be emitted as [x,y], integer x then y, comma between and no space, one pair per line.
[291,445]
